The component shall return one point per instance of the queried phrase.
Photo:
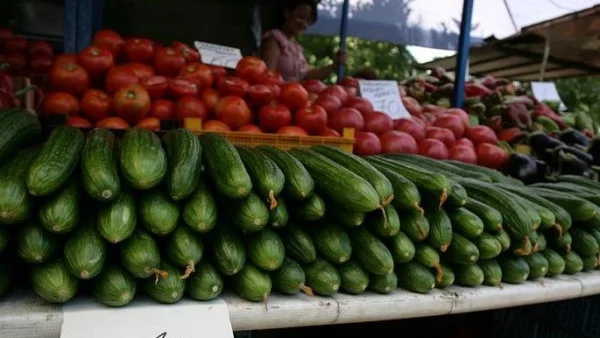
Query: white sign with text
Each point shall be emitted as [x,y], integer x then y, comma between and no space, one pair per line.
[147,319]
[546,91]
[218,55]
[384,96]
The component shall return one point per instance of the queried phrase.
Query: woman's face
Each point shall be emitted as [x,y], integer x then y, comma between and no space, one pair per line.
[298,19]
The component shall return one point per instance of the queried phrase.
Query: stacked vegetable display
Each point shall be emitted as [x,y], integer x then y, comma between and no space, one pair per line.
[177,214]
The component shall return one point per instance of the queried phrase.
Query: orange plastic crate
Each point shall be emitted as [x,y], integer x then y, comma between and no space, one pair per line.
[285,142]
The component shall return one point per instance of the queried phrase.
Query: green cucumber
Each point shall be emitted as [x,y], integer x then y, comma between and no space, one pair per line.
[556,264]
[383,284]
[573,263]
[457,198]
[589,262]
[495,175]
[15,202]
[491,218]
[564,242]
[140,255]
[581,181]
[200,210]
[492,272]
[143,159]
[439,166]
[462,250]
[406,194]
[298,244]
[332,242]
[538,240]
[184,249]
[387,225]
[227,246]
[322,277]
[514,269]
[267,179]
[468,275]
[415,225]
[448,277]
[429,258]
[489,247]
[114,287]
[279,216]
[206,283]
[19,127]
[504,239]
[584,243]
[343,216]
[99,173]
[402,248]
[578,208]
[354,279]
[85,253]
[168,289]
[53,282]
[184,156]
[538,265]
[35,244]
[299,184]
[265,249]
[250,213]
[370,252]
[158,213]
[117,219]
[60,212]
[311,209]
[290,279]
[252,284]
[414,277]
[440,229]
[466,222]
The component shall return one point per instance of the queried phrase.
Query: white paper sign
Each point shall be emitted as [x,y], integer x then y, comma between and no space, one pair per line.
[384,96]
[147,319]
[218,55]
[546,91]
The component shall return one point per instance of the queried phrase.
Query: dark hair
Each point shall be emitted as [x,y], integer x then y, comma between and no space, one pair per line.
[293,4]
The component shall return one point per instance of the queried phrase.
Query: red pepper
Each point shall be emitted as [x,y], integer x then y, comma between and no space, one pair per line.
[509,134]
[518,115]
[542,109]
[476,89]
[430,88]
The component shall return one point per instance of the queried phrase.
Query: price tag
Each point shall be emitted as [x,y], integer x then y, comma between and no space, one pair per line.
[384,96]
[218,55]
[147,319]
[546,91]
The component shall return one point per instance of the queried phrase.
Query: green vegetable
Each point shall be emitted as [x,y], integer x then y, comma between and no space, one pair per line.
[385,224]
[200,209]
[252,284]
[167,289]
[99,173]
[140,255]
[114,287]
[184,158]
[85,253]
[36,245]
[265,249]
[205,283]
[142,158]
[370,252]
[402,248]
[354,279]
[332,242]
[158,213]
[53,282]
[290,279]
[298,244]
[250,213]
[322,277]
[228,249]
[117,219]
[383,284]
[298,182]
[185,249]
[267,179]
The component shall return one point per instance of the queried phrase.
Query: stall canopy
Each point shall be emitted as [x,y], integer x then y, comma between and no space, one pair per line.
[562,47]
[436,24]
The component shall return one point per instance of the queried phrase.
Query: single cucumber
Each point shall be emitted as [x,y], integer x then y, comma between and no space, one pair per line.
[584,242]
[563,242]
[184,156]
[457,198]
[267,179]
[19,128]
[354,279]
[439,166]
[117,219]
[322,277]
[35,244]
[402,248]
[290,279]
[343,216]
[429,258]
[538,240]
[383,284]
[311,209]
[489,247]
[448,277]
[228,250]
[252,284]
[53,282]
[85,253]
[168,289]
[60,212]
[440,229]
[495,175]
[578,208]
[491,218]
[462,250]
[580,181]
[415,225]
[140,255]
[370,252]
[332,242]
[540,215]
[184,249]
[466,223]
[492,272]
[556,264]
[385,224]
[299,184]
[589,262]
[468,275]
[279,216]
[99,173]
[504,239]
[514,269]
[538,265]
[298,244]
[200,209]
[265,249]
[523,248]
[114,287]
[206,283]
[573,263]
[249,214]
[414,277]
[158,213]
[143,159]
[406,194]
[16,204]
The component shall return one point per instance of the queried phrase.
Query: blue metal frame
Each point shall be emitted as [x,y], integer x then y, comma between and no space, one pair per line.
[462,60]
[82,19]
[343,34]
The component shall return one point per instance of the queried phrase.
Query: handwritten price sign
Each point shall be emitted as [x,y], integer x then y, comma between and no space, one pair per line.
[218,55]
[145,319]
[384,96]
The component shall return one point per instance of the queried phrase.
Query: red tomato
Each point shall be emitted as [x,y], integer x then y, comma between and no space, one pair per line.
[338,91]
[482,134]
[352,91]
[293,95]
[276,89]
[444,135]
[96,105]
[218,73]
[118,77]
[250,128]
[328,132]
[138,50]
[464,117]
[274,116]
[234,111]
[210,97]
[215,125]
[367,144]
[464,142]
[492,156]
[16,62]
[361,104]
[349,82]
[163,109]
[110,40]
[113,122]
[189,54]
[15,44]
[411,126]
[39,64]
[5,33]
[330,103]
[311,118]
[398,142]
[260,94]
[96,60]
[199,71]
[60,103]
[156,86]
[433,148]
[191,106]
[231,85]
[346,118]
[150,123]
[180,87]
[272,78]
[378,122]
[132,103]
[251,69]
[292,130]
[141,70]
[78,122]
[70,78]
[451,122]
[66,58]
[168,61]
[436,111]
[314,86]
[40,49]
[463,153]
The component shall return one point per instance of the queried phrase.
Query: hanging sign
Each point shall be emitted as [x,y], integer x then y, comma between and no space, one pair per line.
[384,96]
[146,319]
[546,91]
[218,55]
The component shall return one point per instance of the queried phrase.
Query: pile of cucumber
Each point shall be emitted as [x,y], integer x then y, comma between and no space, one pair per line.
[176,215]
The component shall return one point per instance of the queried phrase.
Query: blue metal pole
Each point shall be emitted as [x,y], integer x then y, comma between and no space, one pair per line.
[462,61]
[85,23]
[343,34]
[70,27]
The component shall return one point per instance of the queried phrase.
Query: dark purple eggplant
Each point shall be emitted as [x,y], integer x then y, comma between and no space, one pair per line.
[582,155]
[574,137]
[570,164]
[541,143]
[523,167]
[594,150]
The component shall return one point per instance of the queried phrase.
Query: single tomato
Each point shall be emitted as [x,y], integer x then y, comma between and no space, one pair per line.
[367,144]
[452,123]
[218,73]
[141,70]
[274,116]
[210,97]
[411,126]
[311,118]
[349,82]
[215,125]
[352,91]
[464,117]
[492,156]
[330,103]
[293,95]
[15,44]
[328,132]
[66,58]
[442,134]
[168,61]
[464,142]
[181,86]
[272,78]
[138,50]
[192,107]
[150,123]
[251,69]
[113,122]
[110,40]
[346,118]
[434,149]
[463,153]
[337,91]
[378,122]
[250,128]
[234,111]
[189,54]
[276,89]
[69,78]
[96,61]
[57,103]
[292,130]
[156,86]
[398,142]
[198,71]
[231,85]
[118,77]
[132,103]
[314,86]
[78,122]
[361,104]
[260,94]
[163,109]
[96,105]
[482,134]
[40,49]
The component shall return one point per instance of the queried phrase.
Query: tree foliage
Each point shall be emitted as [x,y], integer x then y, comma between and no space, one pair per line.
[581,93]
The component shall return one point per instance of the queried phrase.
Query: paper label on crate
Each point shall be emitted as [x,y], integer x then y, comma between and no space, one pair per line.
[147,319]
[218,55]
[384,96]
[546,91]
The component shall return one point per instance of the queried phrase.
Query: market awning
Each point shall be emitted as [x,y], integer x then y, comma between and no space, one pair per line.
[572,43]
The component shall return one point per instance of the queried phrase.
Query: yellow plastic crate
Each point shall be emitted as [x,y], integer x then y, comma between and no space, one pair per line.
[285,142]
